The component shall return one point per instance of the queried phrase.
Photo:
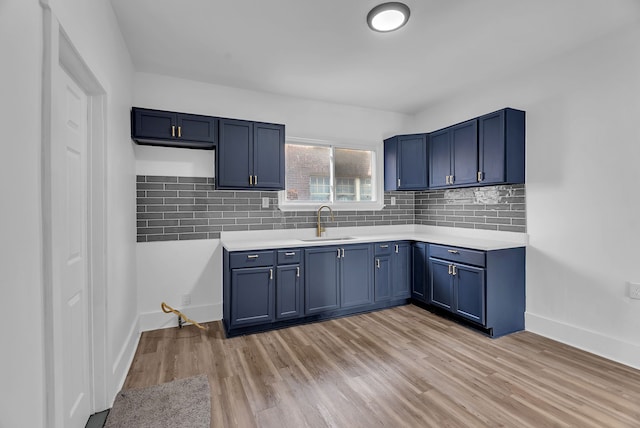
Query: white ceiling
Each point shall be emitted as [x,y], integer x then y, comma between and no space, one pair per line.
[323,49]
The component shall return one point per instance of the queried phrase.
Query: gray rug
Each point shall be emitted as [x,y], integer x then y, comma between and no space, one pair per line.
[181,403]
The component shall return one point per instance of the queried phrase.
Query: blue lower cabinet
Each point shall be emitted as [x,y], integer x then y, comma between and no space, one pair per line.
[382,278]
[490,294]
[268,289]
[252,296]
[441,281]
[289,292]
[420,278]
[401,270]
[469,292]
[321,288]
[356,275]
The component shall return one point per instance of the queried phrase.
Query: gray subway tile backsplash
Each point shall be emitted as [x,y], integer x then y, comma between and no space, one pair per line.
[183,208]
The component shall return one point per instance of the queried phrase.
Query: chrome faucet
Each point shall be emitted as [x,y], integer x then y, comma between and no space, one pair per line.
[320,229]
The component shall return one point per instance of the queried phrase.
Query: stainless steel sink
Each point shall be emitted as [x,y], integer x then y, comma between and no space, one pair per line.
[335,238]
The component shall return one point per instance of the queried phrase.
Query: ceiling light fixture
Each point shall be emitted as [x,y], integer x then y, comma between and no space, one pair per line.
[388,16]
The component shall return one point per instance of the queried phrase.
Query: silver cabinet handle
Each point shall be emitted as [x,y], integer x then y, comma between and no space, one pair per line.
[398,182]
[453,179]
[253,256]
[343,253]
[455,270]
[173,130]
[396,248]
[251,180]
[255,180]
[293,253]
[338,252]
[298,271]
[384,246]
[270,273]
[479,176]
[449,269]
[378,263]
[454,251]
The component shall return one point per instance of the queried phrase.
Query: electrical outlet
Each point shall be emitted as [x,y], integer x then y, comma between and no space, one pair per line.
[393,200]
[634,290]
[265,202]
[186,299]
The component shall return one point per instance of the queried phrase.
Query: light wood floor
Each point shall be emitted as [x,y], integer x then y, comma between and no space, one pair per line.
[401,367]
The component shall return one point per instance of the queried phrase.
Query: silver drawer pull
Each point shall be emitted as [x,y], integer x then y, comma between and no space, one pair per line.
[293,253]
[384,246]
[253,256]
[454,251]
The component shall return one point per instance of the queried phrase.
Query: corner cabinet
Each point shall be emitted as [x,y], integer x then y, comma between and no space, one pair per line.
[485,288]
[405,162]
[250,155]
[171,129]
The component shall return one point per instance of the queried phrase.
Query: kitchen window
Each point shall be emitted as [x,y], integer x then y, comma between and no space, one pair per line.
[342,177]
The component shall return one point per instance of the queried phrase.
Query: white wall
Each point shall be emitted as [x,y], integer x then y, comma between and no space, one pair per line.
[166,270]
[22,358]
[583,150]
[92,29]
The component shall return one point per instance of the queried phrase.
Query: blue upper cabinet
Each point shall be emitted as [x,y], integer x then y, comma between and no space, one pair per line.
[501,136]
[171,129]
[405,162]
[484,151]
[250,155]
[453,155]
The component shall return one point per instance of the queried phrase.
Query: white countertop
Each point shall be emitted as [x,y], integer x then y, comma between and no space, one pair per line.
[294,238]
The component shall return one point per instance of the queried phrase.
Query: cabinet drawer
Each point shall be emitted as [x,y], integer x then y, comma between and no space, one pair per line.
[455,254]
[382,248]
[245,259]
[287,257]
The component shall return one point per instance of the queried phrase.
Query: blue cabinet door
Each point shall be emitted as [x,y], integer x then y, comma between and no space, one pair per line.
[155,124]
[268,156]
[419,283]
[289,292]
[356,275]
[193,127]
[252,296]
[464,153]
[234,156]
[501,136]
[383,278]
[401,270]
[412,165]
[322,292]
[441,281]
[439,158]
[469,291]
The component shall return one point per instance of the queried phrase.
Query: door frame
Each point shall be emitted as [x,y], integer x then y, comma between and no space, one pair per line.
[58,51]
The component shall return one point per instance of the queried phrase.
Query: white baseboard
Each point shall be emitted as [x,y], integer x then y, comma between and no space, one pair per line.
[596,343]
[125,358]
[158,319]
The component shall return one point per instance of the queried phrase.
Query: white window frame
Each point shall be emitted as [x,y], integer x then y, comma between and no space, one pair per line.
[377,173]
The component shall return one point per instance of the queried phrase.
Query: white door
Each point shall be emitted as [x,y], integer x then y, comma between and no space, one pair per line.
[69,150]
